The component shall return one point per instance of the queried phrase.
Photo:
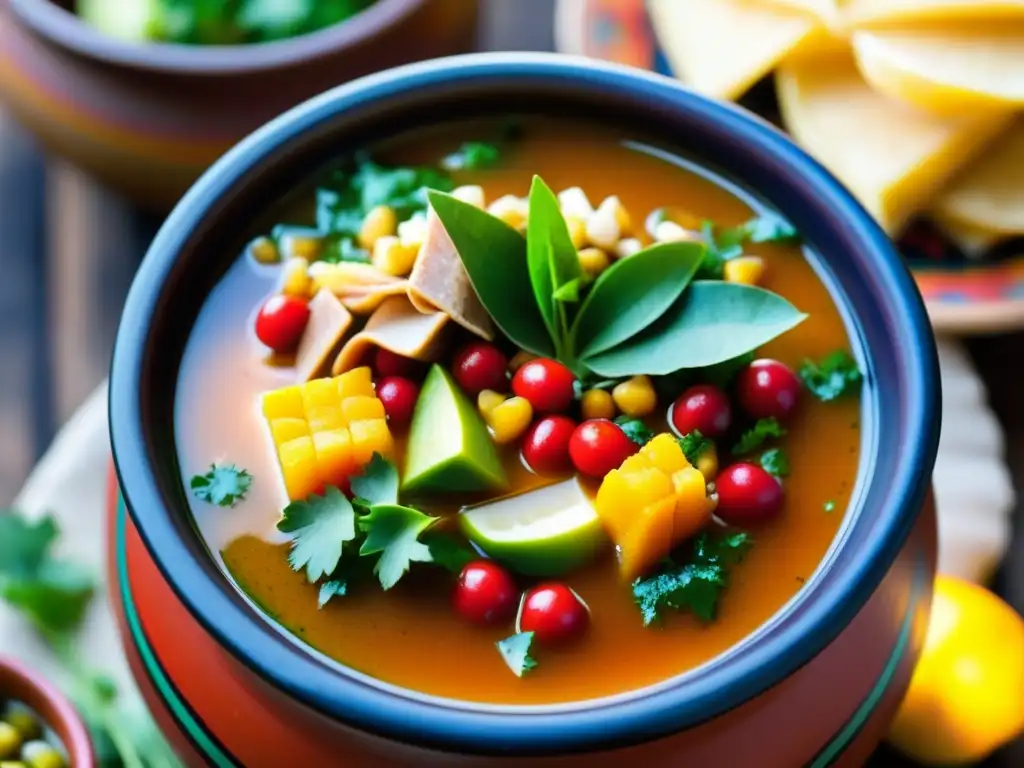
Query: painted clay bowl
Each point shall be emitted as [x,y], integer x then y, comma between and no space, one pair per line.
[819,683]
[149,119]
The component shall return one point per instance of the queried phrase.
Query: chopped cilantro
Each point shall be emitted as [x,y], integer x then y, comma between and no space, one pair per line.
[837,374]
[770,228]
[775,462]
[830,506]
[378,484]
[319,526]
[755,437]
[515,652]
[472,156]
[694,445]
[722,245]
[343,248]
[224,485]
[635,430]
[332,588]
[447,552]
[696,585]
[394,531]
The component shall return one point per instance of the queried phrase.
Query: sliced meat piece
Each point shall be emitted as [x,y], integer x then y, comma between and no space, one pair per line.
[329,321]
[398,327]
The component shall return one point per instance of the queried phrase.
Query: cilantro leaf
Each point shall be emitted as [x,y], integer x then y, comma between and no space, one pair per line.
[224,485]
[339,249]
[378,484]
[755,437]
[331,588]
[829,506]
[447,552]
[694,445]
[770,228]
[635,430]
[775,462]
[394,531]
[54,598]
[722,245]
[515,652]
[694,586]
[24,544]
[320,526]
[472,156]
[837,374]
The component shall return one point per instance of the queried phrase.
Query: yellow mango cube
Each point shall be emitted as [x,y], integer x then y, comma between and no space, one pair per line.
[361,408]
[325,418]
[283,430]
[320,394]
[693,508]
[369,437]
[355,383]
[285,403]
[334,455]
[664,453]
[649,539]
[299,468]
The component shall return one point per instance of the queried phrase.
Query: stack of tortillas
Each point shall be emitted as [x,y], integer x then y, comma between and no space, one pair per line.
[916,105]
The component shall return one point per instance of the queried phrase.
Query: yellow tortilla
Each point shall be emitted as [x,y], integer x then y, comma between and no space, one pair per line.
[360,287]
[397,326]
[329,321]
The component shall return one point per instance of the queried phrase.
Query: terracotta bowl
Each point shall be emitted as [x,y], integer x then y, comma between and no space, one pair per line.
[149,119]
[816,686]
[18,683]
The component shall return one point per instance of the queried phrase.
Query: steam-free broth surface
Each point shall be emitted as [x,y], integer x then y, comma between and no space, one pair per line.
[409,635]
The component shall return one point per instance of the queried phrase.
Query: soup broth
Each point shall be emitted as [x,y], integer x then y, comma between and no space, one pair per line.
[410,635]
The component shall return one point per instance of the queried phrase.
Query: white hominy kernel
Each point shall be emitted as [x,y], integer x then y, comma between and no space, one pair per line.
[470,193]
[670,232]
[573,202]
[627,247]
[603,229]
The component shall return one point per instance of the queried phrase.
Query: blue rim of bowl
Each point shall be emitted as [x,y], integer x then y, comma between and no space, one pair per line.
[443,724]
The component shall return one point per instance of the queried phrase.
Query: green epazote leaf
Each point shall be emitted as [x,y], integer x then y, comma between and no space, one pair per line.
[712,322]
[394,531]
[494,256]
[319,527]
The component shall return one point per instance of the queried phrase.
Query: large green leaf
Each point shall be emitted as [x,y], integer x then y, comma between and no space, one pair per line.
[633,293]
[494,256]
[713,321]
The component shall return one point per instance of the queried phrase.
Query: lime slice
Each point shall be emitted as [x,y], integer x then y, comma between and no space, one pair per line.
[544,532]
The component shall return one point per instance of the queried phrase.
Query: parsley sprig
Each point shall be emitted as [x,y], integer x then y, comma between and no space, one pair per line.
[836,375]
[762,431]
[223,485]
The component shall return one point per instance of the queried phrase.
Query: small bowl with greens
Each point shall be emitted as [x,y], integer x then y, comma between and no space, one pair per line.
[145,94]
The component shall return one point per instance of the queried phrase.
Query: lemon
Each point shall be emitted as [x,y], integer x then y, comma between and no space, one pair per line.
[966,697]
[543,532]
[890,12]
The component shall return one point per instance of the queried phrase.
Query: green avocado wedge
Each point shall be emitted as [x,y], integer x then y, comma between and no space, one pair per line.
[449,449]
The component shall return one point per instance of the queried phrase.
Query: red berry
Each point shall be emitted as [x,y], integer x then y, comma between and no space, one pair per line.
[547,384]
[704,408]
[485,593]
[388,363]
[554,613]
[546,445]
[398,395]
[479,366]
[747,494]
[768,389]
[281,321]
[598,446]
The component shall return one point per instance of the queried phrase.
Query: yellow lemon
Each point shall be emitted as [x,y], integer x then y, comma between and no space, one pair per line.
[966,697]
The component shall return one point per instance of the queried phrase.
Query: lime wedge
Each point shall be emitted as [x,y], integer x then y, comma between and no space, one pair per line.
[544,532]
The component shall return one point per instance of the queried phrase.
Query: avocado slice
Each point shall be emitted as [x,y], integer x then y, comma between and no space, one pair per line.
[449,447]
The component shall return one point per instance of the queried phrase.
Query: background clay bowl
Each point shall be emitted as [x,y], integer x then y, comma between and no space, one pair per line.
[18,683]
[827,672]
[149,119]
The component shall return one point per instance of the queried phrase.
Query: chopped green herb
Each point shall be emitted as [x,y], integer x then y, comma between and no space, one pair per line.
[755,437]
[830,506]
[836,375]
[341,249]
[394,531]
[696,585]
[515,651]
[319,526]
[224,485]
[448,553]
[378,484]
[775,462]
[332,588]
[722,245]
[472,156]
[635,430]
[770,228]
[694,445]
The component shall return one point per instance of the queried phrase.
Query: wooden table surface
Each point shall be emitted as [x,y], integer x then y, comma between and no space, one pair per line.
[68,249]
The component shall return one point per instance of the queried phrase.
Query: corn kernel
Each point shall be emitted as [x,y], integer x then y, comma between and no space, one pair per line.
[593,261]
[635,397]
[472,194]
[413,232]
[306,247]
[487,401]
[380,221]
[622,217]
[519,359]
[597,404]
[577,231]
[707,462]
[510,419]
[670,232]
[573,202]
[263,250]
[510,209]
[392,257]
[747,270]
[603,228]
[627,247]
[295,279]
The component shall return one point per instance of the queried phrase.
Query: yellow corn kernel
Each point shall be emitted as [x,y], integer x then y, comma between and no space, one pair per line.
[379,222]
[358,381]
[597,404]
[370,436]
[603,228]
[295,279]
[510,419]
[263,250]
[510,209]
[413,232]
[574,202]
[577,231]
[622,217]
[635,397]
[670,232]
[283,430]
[470,193]
[361,407]
[747,270]
[306,247]
[627,247]
[392,257]
[487,401]
[284,403]
[707,462]
[299,468]
[519,359]
[593,261]
[334,455]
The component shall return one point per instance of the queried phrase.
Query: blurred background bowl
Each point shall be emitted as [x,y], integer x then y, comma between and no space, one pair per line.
[148,118]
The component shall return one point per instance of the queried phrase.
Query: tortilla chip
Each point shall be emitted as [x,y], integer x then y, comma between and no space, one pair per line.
[398,327]
[360,287]
[329,321]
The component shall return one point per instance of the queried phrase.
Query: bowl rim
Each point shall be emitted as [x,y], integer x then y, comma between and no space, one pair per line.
[406,716]
[67,30]
[56,711]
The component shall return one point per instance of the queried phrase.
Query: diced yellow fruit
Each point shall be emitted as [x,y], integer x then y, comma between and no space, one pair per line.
[577,231]
[510,419]
[470,193]
[379,222]
[693,511]
[368,437]
[597,404]
[355,383]
[487,401]
[747,270]
[663,452]
[707,462]
[283,430]
[623,492]
[284,403]
[334,455]
[393,257]
[519,359]
[593,261]
[320,393]
[635,397]
[649,539]
[299,468]
[295,279]
[323,418]
[361,407]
